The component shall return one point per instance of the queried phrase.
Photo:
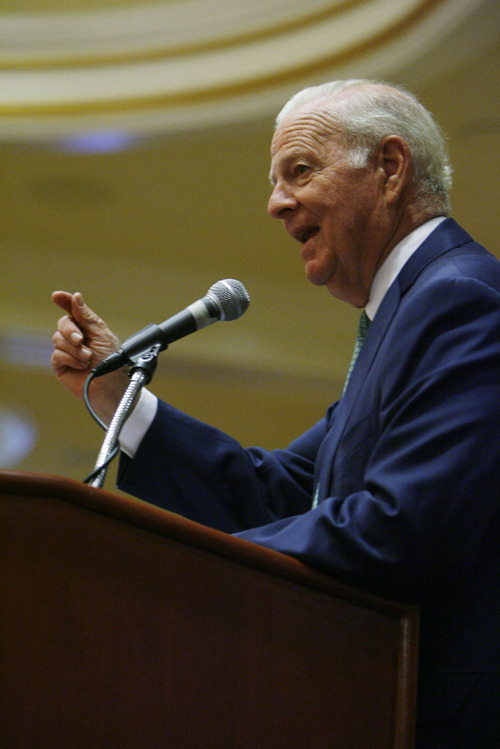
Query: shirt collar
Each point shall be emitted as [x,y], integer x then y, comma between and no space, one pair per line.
[395,260]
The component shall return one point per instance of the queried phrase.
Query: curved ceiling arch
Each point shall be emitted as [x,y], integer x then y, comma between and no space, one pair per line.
[171,65]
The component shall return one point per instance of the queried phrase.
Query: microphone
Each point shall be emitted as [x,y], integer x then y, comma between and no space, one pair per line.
[225,300]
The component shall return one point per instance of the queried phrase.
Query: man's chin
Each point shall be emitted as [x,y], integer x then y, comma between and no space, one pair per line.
[315,274]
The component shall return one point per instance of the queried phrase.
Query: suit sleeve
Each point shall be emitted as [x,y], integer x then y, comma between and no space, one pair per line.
[428,488]
[190,468]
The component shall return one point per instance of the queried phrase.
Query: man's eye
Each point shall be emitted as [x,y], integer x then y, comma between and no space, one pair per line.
[300,170]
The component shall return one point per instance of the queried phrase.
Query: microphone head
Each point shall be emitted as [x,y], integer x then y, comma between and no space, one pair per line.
[231,298]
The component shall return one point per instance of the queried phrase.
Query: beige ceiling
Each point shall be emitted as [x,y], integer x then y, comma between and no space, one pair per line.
[145,229]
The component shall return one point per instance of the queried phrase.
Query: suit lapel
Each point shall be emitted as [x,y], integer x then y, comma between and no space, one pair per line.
[447,236]
[374,337]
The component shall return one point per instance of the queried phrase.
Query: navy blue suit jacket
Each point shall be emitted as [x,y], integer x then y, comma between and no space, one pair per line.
[407,470]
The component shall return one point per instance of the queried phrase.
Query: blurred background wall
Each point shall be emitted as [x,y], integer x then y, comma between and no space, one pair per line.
[134,151]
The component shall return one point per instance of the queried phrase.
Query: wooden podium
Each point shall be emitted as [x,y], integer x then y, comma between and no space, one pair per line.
[123,626]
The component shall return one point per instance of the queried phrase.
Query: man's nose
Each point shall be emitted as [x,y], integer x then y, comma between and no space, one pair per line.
[281,200]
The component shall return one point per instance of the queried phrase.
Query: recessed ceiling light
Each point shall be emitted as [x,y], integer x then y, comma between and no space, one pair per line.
[100,141]
[18,436]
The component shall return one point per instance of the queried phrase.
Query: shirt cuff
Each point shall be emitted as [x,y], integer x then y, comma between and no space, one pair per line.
[138,423]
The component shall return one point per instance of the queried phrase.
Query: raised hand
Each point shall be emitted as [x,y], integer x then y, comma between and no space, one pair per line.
[81,341]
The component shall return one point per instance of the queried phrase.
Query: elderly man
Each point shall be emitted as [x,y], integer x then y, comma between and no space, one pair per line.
[396,490]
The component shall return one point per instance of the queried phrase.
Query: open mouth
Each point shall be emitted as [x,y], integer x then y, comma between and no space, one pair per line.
[306,234]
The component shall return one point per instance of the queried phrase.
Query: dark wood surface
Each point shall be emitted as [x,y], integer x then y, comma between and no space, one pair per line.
[123,625]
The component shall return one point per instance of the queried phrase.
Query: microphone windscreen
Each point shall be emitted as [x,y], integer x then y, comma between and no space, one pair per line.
[232,298]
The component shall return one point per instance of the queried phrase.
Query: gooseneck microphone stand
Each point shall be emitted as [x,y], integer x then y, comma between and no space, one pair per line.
[141,373]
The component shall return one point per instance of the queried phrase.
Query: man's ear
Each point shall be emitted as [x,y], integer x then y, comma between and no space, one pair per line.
[394,165]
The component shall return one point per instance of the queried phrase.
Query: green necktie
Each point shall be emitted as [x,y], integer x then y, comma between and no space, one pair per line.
[363,325]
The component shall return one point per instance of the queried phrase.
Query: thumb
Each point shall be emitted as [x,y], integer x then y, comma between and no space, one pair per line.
[96,333]
[86,320]
[84,316]
[75,307]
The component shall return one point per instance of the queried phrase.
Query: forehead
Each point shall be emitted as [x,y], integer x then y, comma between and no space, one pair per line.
[303,128]
[310,132]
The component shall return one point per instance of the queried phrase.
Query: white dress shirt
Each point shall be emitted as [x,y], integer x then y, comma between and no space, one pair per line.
[394,262]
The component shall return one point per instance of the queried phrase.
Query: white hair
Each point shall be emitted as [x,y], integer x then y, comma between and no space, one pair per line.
[372,110]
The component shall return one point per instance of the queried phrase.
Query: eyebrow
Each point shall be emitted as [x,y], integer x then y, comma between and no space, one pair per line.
[296,153]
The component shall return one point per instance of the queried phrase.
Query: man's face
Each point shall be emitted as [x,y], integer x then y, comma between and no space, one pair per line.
[336,212]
